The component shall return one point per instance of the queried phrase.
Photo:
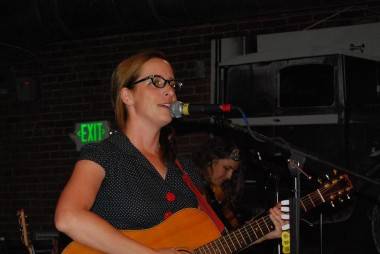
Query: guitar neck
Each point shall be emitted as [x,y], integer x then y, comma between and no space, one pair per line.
[31,250]
[240,238]
[254,230]
[24,231]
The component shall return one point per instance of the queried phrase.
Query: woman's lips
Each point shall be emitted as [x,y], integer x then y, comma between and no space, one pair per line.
[165,105]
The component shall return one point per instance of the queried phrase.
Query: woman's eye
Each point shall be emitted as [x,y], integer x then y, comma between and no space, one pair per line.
[156,81]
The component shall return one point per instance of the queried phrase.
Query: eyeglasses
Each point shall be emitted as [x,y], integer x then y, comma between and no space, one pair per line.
[159,82]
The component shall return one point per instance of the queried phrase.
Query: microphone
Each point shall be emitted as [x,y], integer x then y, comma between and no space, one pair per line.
[179,109]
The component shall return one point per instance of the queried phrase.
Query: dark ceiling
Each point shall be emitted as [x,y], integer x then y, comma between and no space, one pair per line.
[26,25]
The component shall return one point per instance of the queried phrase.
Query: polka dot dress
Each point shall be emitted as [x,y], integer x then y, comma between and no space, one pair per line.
[133,194]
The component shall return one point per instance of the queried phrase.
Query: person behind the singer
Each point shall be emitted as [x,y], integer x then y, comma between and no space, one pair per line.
[130,180]
[218,160]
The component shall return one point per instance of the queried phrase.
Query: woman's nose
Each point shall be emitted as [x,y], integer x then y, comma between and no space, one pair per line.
[169,91]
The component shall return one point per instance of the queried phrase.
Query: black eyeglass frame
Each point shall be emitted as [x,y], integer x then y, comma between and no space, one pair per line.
[176,85]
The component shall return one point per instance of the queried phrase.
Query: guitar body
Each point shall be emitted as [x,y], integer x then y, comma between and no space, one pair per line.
[189,228]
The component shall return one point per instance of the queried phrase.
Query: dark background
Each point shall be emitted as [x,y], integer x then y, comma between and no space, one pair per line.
[66,51]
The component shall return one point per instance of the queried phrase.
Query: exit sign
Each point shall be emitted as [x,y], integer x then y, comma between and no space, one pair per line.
[90,132]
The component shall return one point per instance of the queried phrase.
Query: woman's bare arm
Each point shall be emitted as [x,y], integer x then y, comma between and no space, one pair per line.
[74,218]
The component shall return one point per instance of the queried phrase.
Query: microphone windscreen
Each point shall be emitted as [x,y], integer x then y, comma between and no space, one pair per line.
[176,109]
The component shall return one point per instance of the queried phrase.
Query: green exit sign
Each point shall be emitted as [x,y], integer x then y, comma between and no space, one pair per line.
[90,132]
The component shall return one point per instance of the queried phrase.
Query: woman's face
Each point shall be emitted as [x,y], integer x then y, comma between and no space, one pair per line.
[221,170]
[151,104]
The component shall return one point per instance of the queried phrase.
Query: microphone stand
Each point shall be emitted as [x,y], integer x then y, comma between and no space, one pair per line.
[295,214]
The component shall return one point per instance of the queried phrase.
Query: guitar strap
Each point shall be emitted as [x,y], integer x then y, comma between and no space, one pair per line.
[203,204]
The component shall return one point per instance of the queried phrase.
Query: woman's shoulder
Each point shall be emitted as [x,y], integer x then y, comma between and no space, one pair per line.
[100,149]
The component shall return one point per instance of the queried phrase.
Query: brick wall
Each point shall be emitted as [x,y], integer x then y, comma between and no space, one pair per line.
[36,152]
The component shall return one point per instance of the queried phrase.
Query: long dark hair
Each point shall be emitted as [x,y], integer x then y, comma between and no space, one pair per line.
[218,147]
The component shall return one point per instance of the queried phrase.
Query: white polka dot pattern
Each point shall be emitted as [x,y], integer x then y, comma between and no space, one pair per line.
[133,195]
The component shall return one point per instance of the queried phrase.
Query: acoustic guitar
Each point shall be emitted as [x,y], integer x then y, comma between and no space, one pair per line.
[192,229]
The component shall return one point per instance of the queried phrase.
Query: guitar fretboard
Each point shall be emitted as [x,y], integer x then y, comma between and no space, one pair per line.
[255,229]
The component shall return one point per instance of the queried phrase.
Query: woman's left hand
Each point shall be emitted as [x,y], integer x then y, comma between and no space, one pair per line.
[275,216]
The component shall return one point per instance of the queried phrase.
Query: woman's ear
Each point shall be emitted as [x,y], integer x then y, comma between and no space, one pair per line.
[126,96]
[210,166]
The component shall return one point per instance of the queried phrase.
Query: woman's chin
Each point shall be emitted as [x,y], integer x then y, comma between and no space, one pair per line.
[166,120]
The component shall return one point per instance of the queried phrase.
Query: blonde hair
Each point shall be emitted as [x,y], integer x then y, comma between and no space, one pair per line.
[125,73]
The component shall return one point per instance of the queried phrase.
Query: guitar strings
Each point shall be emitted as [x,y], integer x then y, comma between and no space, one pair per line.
[243,236]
